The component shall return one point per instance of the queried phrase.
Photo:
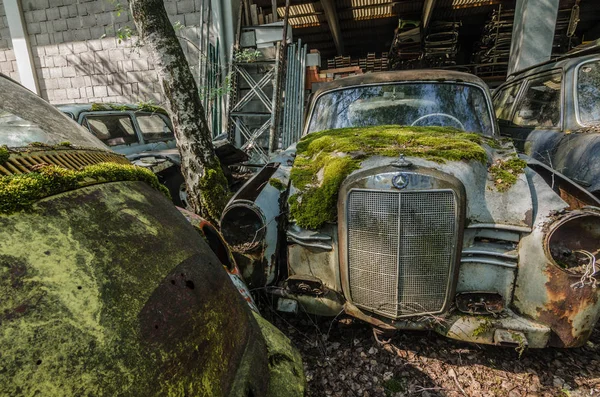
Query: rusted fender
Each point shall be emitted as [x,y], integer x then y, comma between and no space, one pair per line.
[572,309]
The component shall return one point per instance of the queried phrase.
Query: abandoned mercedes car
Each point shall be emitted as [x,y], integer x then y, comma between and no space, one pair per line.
[105,287]
[401,207]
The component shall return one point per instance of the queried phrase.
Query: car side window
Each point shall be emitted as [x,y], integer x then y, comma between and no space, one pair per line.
[504,101]
[539,105]
[588,92]
[113,130]
[154,128]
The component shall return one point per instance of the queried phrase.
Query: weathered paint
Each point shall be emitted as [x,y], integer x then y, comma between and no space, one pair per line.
[107,290]
[232,269]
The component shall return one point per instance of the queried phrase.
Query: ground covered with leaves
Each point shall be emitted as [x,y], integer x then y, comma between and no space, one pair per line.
[341,358]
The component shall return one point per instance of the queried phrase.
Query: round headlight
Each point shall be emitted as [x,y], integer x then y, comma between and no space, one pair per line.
[243,227]
[574,241]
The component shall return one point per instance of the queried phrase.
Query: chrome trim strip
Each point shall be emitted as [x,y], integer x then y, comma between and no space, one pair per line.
[512,228]
[304,243]
[488,262]
[476,251]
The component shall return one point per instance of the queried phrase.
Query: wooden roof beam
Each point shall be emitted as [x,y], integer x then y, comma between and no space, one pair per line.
[334,24]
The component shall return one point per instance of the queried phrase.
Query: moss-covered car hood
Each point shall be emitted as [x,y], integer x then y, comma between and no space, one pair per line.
[107,290]
[492,174]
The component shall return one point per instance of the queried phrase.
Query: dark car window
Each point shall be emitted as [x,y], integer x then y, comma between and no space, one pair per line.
[421,104]
[539,106]
[154,128]
[111,129]
[588,93]
[504,101]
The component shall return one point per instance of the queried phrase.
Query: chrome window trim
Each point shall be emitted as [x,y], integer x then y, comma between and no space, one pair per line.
[488,98]
[527,83]
[575,91]
[453,268]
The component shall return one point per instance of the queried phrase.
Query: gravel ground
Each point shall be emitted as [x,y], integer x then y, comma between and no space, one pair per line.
[341,358]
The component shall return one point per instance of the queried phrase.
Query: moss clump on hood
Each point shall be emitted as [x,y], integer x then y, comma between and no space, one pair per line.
[505,172]
[277,184]
[4,154]
[324,159]
[19,192]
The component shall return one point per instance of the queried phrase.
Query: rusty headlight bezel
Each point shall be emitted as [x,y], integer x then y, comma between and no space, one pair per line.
[241,215]
[570,230]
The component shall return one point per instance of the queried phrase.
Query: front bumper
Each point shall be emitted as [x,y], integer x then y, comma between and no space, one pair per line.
[505,329]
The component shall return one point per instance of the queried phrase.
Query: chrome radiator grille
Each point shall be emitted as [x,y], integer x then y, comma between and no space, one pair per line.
[401,249]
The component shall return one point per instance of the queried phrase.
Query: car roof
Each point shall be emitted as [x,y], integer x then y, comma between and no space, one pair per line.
[77,108]
[400,76]
[562,63]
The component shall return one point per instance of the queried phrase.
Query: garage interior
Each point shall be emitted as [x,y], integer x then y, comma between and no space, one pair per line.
[328,40]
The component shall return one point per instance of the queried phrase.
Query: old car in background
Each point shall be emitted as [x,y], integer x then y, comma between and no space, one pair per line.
[105,287]
[144,134]
[401,207]
[552,112]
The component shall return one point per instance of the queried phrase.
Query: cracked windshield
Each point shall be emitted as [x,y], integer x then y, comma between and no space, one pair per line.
[446,105]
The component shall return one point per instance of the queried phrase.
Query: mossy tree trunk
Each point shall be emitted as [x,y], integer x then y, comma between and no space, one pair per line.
[206,184]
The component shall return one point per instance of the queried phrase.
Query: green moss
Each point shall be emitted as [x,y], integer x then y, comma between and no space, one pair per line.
[121,108]
[214,193]
[4,154]
[485,326]
[506,172]
[19,192]
[277,184]
[39,144]
[98,107]
[285,364]
[65,144]
[150,107]
[324,159]
[82,282]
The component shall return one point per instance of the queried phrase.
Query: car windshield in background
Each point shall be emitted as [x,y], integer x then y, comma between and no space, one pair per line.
[420,104]
[26,118]
[588,92]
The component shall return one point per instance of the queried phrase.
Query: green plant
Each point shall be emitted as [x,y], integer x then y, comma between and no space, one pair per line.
[485,326]
[505,172]
[246,55]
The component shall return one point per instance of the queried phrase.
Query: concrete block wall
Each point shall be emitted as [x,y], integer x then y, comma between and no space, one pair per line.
[8,64]
[79,58]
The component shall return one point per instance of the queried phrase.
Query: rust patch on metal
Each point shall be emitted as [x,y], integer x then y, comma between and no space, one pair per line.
[565,303]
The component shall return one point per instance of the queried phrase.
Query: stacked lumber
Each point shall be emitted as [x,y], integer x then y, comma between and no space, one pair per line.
[371,63]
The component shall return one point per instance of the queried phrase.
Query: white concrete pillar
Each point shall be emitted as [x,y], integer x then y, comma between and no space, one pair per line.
[21,47]
[533,33]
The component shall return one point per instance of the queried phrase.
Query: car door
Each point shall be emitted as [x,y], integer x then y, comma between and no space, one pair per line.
[535,122]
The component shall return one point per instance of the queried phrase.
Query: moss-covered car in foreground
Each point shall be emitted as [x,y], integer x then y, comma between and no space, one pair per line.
[105,287]
[402,208]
